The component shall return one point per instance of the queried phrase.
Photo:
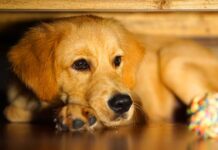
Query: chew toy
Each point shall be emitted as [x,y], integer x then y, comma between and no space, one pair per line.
[204,115]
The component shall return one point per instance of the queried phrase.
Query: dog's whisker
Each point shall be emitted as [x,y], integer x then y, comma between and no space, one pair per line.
[141,111]
[137,106]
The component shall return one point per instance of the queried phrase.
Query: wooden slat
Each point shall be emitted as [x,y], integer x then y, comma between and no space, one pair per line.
[176,24]
[107,5]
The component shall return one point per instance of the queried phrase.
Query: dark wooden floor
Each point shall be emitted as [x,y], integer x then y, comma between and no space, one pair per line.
[156,136]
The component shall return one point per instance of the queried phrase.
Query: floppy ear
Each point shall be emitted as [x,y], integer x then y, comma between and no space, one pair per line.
[33,60]
[133,55]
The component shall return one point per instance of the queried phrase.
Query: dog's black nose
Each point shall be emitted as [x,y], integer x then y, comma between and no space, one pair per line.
[120,103]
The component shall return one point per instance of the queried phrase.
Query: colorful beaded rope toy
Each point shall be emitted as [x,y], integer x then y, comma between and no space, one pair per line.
[204,115]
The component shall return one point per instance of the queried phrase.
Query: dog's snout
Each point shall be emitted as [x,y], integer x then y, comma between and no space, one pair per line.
[120,103]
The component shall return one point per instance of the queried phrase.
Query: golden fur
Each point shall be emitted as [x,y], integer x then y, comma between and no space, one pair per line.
[153,72]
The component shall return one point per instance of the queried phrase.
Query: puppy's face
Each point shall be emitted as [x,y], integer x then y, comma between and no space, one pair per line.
[94,64]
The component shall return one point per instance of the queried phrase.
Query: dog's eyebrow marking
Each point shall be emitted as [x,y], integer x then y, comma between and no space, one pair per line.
[117,51]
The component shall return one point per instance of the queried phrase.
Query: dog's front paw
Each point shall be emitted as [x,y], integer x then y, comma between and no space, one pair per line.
[74,117]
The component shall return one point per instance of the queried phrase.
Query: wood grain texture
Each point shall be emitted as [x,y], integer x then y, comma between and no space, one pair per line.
[107,5]
[173,24]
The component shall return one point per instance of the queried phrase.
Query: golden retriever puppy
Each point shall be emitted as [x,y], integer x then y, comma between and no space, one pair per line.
[102,73]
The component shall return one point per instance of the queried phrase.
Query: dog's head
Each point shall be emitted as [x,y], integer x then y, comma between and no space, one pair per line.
[84,60]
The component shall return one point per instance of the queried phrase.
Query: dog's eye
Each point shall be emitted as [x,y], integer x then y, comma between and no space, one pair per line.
[81,65]
[117,61]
